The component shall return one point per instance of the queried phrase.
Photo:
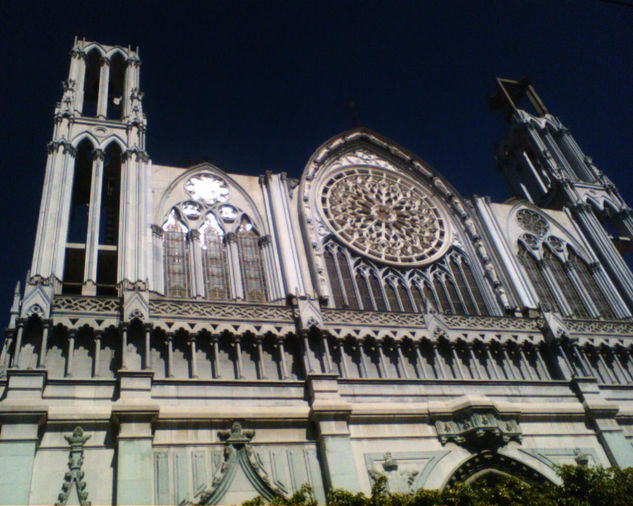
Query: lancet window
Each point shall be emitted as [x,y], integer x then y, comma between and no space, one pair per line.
[214,252]
[251,266]
[175,256]
[214,259]
[447,286]
[562,280]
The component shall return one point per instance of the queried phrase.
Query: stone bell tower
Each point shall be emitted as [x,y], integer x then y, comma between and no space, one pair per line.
[543,163]
[92,217]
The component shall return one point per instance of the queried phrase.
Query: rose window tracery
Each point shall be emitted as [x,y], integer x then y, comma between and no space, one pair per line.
[207,188]
[383,216]
[532,222]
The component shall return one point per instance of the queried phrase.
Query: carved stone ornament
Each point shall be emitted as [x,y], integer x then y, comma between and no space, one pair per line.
[383,216]
[532,222]
[75,476]
[238,453]
[399,481]
[556,244]
[207,188]
[479,428]
[531,241]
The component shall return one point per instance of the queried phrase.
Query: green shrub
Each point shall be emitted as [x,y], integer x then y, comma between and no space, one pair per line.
[581,486]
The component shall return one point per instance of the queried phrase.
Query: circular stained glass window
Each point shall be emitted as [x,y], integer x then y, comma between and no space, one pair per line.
[384,216]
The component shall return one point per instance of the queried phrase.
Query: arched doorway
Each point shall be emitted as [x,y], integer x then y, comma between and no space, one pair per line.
[493,466]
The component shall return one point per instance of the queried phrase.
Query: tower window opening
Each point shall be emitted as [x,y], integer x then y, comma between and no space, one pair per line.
[110,197]
[75,254]
[115,87]
[73,270]
[107,272]
[109,222]
[91,83]
[80,200]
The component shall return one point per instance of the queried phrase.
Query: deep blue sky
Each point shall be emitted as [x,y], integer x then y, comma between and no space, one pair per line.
[259,85]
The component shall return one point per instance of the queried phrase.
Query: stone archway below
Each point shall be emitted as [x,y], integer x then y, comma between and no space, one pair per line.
[493,466]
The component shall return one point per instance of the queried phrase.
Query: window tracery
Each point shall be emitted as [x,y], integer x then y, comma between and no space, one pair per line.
[562,280]
[383,216]
[447,286]
[175,256]
[214,259]
[228,244]
[251,265]
[533,222]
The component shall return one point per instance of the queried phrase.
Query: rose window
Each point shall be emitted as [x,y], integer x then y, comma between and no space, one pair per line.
[384,216]
[532,222]
[207,188]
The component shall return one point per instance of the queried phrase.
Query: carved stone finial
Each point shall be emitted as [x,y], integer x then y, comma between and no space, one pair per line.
[75,477]
[236,435]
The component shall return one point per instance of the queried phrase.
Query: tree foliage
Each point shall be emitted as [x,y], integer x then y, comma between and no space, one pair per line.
[581,486]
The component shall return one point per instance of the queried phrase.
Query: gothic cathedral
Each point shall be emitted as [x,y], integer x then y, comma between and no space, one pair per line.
[187,335]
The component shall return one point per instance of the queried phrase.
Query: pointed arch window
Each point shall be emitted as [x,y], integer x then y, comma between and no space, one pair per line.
[392,297]
[448,285]
[91,83]
[539,282]
[471,286]
[439,289]
[588,281]
[175,257]
[107,259]
[376,290]
[419,297]
[251,266]
[362,282]
[116,86]
[566,285]
[330,263]
[403,295]
[75,253]
[214,259]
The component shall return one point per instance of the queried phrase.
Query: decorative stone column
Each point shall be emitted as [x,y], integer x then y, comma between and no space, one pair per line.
[158,269]
[259,341]
[279,344]
[70,352]
[193,351]
[237,288]
[18,343]
[124,332]
[132,65]
[197,266]
[46,328]
[147,355]
[5,357]
[104,84]
[97,357]
[94,217]
[169,342]
[77,73]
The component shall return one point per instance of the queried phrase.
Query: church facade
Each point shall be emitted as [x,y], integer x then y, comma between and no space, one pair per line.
[186,335]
